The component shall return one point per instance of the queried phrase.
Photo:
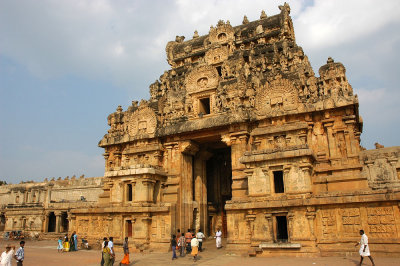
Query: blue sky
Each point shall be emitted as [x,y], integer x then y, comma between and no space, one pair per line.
[66,65]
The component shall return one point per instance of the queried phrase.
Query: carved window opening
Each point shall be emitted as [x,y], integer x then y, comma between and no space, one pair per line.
[222,36]
[278,182]
[17,199]
[129,194]
[246,59]
[219,69]
[281,229]
[204,106]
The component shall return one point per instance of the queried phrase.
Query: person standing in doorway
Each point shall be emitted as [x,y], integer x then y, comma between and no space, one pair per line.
[200,236]
[188,238]
[111,247]
[20,254]
[218,238]
[173,246]
[364,248]
[126,252]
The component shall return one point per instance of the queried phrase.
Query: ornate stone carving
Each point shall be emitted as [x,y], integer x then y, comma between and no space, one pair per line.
[142,121]
[201,78]
[223,33]
[217,55]
[279,94]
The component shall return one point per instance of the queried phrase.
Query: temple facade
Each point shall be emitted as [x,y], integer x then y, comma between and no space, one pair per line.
[241,135]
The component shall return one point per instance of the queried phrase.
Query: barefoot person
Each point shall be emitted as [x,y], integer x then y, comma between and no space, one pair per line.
[173,246]
[364,248]
[7,255]
[218,238]
[194,243]
[125,260]
[200,236]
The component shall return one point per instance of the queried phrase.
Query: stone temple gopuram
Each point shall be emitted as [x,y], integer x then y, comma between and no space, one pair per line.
[240,134]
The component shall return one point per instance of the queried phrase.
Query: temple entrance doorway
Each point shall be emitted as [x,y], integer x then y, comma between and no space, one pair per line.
[219,189]
[2,222]
[64,222]
[52,222]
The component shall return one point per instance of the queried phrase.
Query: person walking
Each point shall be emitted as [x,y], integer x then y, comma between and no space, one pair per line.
[181,244]
[200,236]
[106,253]
[173,246]
[71,243]
[66,243]
[364,248]
[20,254]
[218,238]
[194,243]
[111,247]
[6,256]
[60,247]
[103,245]
[125,260]
[188,238]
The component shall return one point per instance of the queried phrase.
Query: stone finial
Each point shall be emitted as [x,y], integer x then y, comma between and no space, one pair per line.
[330,60]
[67,178]
[52,179]
[263,15]
[245,20]
[135,103]
[119,109]
[59,178]
[82,176]
[73,178]
[195,34]
[46,180]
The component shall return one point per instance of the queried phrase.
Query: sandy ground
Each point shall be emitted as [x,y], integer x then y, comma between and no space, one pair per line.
[38,253]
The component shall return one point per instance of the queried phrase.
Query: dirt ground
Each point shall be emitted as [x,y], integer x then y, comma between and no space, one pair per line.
[38,253]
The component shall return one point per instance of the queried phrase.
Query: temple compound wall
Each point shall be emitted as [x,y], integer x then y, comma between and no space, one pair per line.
[44,208]
[241,135]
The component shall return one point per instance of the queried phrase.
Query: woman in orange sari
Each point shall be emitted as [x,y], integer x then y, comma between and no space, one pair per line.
[125,260]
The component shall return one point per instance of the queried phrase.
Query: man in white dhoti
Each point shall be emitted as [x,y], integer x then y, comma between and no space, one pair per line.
[218,239]
[364,248]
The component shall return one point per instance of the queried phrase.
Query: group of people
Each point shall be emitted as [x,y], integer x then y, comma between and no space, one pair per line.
[68,244]
[191,242]
[108,253]
[6,256]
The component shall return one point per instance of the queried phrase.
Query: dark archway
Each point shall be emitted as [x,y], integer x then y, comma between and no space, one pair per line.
[52,223]
[64,222]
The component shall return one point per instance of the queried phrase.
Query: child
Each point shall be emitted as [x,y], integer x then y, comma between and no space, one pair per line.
[173,245]
[60,247]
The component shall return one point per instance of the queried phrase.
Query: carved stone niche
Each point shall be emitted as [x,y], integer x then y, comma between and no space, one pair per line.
[142,121]
[258,182]
[223,33]
[277,94]
[201,84]
[217,55]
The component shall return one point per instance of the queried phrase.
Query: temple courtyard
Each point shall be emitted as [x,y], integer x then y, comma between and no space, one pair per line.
[45,253]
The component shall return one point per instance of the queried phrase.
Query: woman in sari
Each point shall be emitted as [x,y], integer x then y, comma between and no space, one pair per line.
[66,243]
[71,243]
[107,254]
[125,260]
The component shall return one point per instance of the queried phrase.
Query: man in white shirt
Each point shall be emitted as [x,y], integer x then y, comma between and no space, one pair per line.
[111,246]
[218,238]
[200,236]
[364,248]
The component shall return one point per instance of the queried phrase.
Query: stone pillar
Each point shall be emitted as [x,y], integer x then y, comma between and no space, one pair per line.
[290,218]
[331,139]
[238,144]
[188,150]
[58,221]
[250,218]
[269,218]
[200,185]
[148,185]
[46,222]
[310,214]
